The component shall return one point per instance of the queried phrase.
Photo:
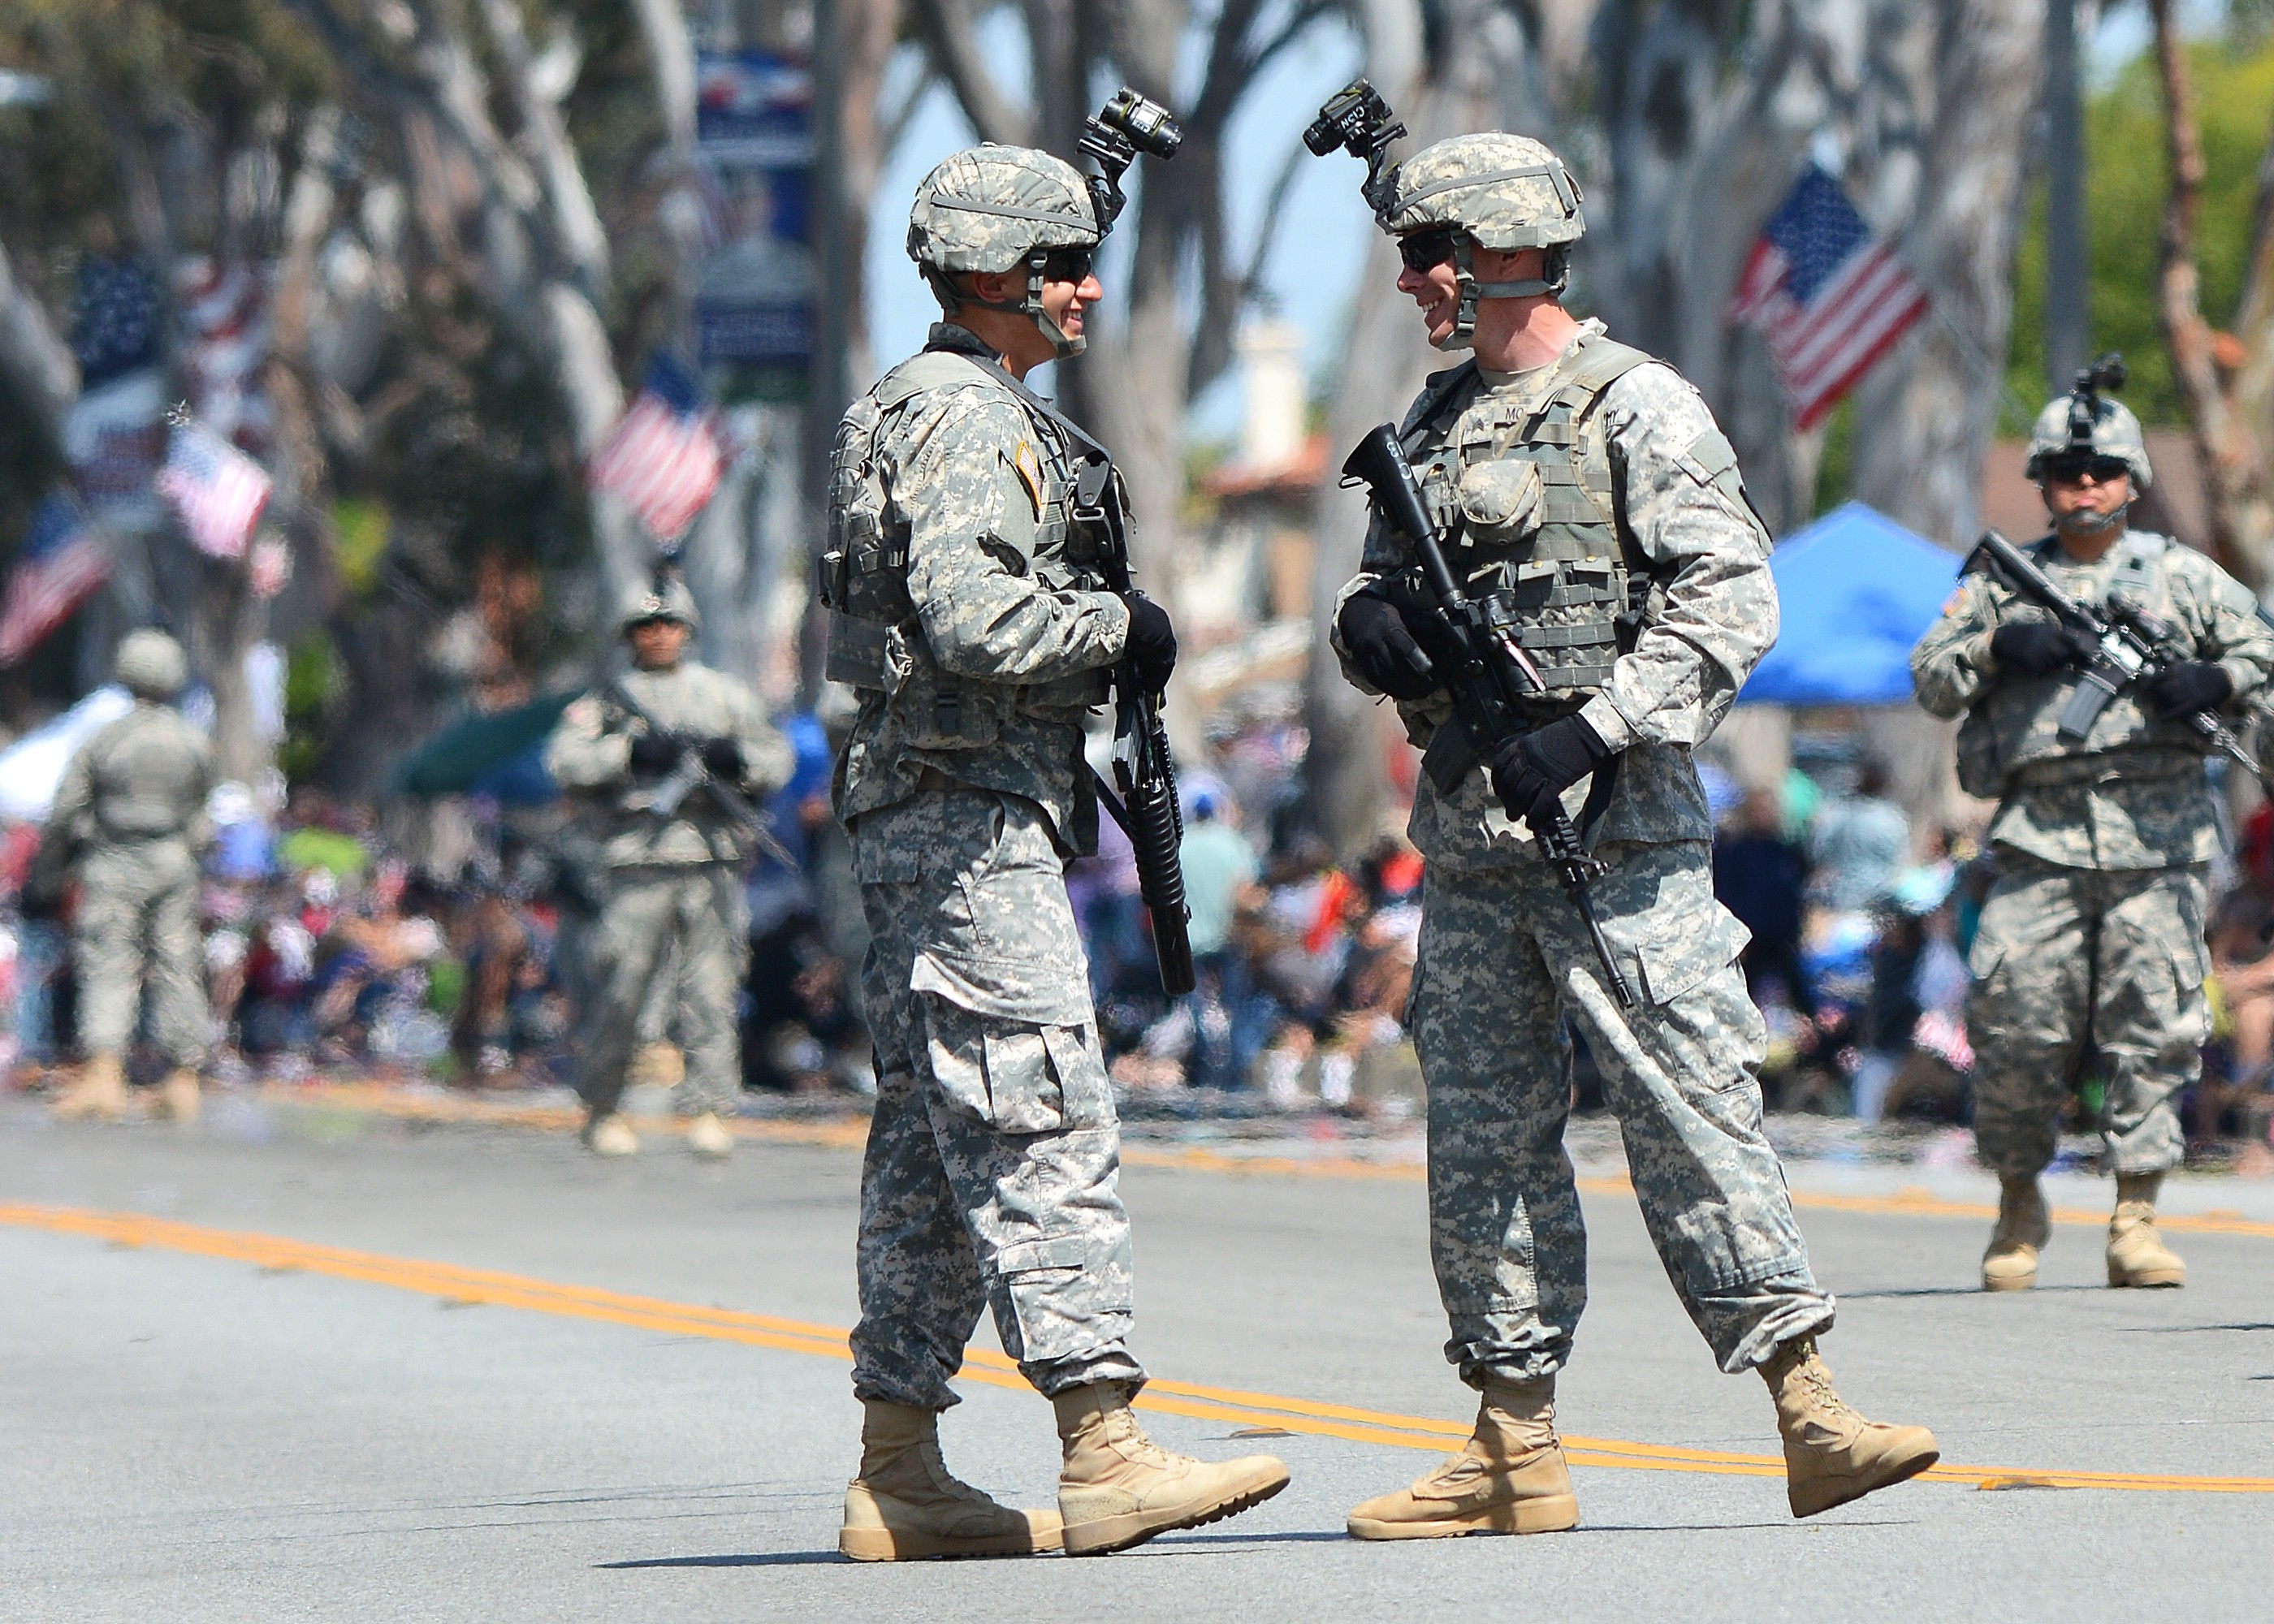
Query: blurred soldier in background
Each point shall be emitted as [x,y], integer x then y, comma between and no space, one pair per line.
[669,878]
[2091,941]
[969,611]
[1584,491]
[130,819]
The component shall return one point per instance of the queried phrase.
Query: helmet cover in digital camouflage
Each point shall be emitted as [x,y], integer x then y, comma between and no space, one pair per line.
[996,208]
[150,664]
[669,601]
[1505,193]
[2115,434]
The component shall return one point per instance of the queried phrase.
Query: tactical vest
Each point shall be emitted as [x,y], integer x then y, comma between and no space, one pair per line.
[2015,726]
[1526,494]
[863,574]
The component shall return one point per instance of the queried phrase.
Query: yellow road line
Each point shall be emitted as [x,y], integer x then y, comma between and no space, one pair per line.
[851,1134]
[453,1283]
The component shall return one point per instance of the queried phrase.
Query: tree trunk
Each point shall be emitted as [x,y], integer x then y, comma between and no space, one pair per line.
[2225,380]
[36,366]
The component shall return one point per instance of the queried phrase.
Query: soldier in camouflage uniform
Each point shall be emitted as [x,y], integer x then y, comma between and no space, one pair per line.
[970,615]
[1584,489]
[669,880]
[130,817]
[2091,941]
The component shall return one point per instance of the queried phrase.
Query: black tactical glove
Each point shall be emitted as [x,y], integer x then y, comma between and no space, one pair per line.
[722,758]
[2039,647]
[1382,646]
[2187,686]
[1152,646]
[654,752]
[1532,770]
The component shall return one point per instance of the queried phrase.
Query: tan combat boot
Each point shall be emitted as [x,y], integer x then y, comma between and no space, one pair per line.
[1831,1454]
[1509,1478]
[905,1504]
[1117,1488]
[707,1137]
[2136,1253]
[178,1096]
[2023,1226]
[100,1093]
[608,1134]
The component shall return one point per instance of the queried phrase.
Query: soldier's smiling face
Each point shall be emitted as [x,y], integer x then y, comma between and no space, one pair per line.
[1426,274]
[657,644]
[1069,288]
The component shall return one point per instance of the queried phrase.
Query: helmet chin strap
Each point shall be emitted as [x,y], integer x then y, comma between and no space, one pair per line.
[1062,345]
[2082,524]
[1556,261]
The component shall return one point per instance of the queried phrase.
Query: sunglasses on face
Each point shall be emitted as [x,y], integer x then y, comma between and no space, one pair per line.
[1067,265]
[2099,469]
[1424,251]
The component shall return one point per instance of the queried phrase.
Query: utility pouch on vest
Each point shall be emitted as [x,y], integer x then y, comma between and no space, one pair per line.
[1979,773]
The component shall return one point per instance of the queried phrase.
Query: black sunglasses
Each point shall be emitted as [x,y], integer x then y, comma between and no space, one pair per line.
[1067,265]
[2099,469]
[1425,251]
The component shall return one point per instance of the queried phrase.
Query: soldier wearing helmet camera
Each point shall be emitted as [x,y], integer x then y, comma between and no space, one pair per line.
[1585,491]
[672,879]
[2092,937]
[131,818]
[970,611]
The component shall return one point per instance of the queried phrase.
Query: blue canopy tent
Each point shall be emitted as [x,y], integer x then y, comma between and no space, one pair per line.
[1855,590]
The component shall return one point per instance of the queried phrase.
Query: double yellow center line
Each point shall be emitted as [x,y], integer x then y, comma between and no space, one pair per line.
[451,1283]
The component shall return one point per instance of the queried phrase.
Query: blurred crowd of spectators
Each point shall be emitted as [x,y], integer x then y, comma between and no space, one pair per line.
[335,943]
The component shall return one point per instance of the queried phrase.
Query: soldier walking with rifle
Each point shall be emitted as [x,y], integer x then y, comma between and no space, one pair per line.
[2092,667]
[660,760]
[1562,586]
[978,580]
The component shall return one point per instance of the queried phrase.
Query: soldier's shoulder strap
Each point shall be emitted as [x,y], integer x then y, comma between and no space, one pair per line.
[1438,391]
[1593,366]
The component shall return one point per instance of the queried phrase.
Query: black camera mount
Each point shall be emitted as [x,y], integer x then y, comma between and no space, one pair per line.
[1124,127]
[1356,120]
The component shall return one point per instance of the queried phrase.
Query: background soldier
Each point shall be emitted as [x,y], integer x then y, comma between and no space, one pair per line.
[1587,492]
[666,879]
[2092,937]
[131,818]
[971,615]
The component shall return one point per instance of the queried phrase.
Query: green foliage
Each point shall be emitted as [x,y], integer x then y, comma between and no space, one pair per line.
[314,682]
[360,529]
[1835,467]
[2125,181]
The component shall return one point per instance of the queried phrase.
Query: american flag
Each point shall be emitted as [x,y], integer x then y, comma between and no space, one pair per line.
[63,560]
[1830,295]
[216,489]
[664,459]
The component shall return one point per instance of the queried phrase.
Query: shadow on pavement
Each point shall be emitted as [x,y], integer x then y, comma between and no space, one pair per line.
[1902,1291]
[765,1559]
[2176,1330]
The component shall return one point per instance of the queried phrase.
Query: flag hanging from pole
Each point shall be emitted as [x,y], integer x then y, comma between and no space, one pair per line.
[63,561]
[217,490]
[1830,297]
[664,458]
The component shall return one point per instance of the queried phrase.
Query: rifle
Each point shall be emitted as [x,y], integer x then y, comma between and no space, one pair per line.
[1488,678]
[2133,646]
[690,775]
[1147,807]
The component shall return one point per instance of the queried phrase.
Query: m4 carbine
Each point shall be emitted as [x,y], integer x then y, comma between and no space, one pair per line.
[1490,677]
[2131,647]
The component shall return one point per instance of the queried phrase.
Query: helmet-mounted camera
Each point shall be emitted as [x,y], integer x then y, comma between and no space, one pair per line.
[1127,124]
[2107,374]
[1356,120]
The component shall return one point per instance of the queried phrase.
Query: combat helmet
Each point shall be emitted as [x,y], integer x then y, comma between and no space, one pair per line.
[667,599]
[994,208]
[150,664]
[2084,422]
[1494,191]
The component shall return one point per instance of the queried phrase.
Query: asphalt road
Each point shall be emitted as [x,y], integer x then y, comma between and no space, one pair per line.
[316,1363]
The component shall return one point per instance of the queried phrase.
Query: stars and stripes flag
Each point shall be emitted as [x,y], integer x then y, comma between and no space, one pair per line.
[664,457]
[1829,296]
[63,560]
[217,491]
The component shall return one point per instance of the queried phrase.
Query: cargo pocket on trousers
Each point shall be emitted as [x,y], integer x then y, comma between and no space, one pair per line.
[1025,1063]
[1674,963]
